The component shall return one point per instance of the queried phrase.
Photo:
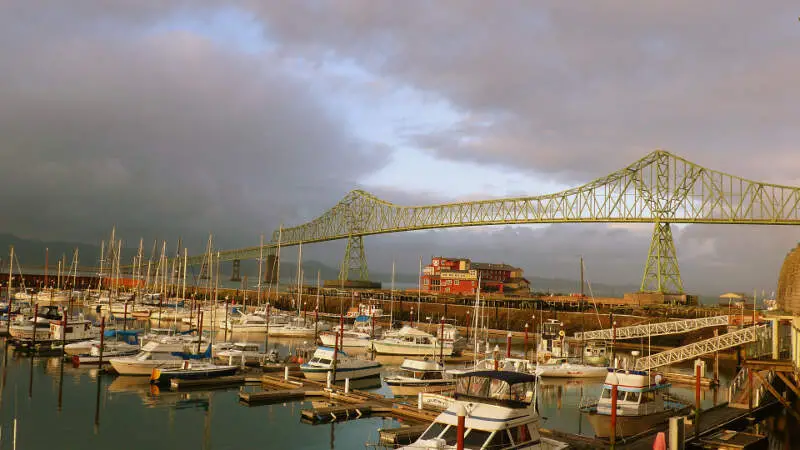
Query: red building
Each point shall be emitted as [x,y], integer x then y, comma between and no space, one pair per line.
[460,276]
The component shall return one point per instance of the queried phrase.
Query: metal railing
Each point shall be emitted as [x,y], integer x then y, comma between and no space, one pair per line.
[654,329]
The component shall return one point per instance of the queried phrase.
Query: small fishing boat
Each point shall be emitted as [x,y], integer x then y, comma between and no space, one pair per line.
[347,366]
[561,368]
[419,376]
[190,370]
[499,413]
[642,403]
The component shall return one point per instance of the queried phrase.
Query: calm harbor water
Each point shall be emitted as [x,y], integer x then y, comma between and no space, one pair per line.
[125,413]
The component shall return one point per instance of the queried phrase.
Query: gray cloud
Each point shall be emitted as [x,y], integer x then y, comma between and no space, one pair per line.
[569,89]
[165,134]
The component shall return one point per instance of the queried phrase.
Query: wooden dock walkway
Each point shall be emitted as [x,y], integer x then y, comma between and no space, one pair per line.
[340,405]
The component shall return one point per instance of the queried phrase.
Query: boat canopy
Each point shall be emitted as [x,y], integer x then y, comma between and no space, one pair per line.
[506,388]
[363,318]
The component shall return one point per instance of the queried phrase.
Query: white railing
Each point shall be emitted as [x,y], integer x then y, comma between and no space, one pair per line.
[697,349]
[654,329]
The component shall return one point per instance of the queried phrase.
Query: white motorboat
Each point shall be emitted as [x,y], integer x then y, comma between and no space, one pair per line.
[499,413]
[52,295]
[25,329]
[114,340]
[244,353]
[419,376]
[561,368]
[113,349]
[297,328]
[349,339]
[412,341]
[252,323]
[150,357]
[322,362]
[642,402]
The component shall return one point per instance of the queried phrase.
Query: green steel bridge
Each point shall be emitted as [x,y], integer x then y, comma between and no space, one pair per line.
[661,189]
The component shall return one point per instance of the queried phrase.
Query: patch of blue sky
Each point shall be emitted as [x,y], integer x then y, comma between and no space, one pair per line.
[229,27]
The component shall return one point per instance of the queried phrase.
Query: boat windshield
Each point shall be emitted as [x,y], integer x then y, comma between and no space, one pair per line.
[509,390]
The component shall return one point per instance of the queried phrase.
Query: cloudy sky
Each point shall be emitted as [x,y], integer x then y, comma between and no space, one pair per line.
[187,117]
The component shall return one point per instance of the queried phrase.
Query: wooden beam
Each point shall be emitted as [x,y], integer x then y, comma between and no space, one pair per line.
[777,396]
[770,364]
[789,383]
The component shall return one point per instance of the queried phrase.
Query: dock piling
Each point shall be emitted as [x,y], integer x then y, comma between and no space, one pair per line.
[677,431]
[286,373]
[462,415]
[419,400]
[347,385]
[328,384]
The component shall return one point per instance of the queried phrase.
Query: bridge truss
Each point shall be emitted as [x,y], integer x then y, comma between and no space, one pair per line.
[660,188]
[654,329]
[697,349]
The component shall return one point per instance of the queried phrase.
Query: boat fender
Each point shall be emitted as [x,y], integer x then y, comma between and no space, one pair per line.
[300,360]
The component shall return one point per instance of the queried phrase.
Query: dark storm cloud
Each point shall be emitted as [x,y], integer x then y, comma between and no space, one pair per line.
[569,88]
[164,134]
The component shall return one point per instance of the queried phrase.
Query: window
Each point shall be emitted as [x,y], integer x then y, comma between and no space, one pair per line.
[324,361]
[606,393]
[433,431]
[475,438]
[431,376]
[450,435]
[456,282]
[620,395]
[633,397]
[499,440]
[521,434]
[648,397]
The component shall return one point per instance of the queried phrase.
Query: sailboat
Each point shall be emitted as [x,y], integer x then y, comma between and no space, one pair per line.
[297,326]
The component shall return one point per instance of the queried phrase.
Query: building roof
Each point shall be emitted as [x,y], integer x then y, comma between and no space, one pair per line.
[491,266]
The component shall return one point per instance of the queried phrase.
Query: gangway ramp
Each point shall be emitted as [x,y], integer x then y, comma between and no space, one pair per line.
[654,329]
[697,349]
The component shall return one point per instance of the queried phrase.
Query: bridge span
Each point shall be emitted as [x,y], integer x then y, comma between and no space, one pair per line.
[660,188]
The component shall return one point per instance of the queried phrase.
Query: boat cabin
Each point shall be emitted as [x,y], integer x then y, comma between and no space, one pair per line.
[552,342]
[504,388]
[323,357]
[421,370]
[637,393]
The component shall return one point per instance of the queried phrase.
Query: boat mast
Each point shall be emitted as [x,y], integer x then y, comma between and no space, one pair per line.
[10,283]
[102,263]
[139,255]
[185,264]
[419,291]
[260,268]
[583,317]
[299,276]
[216,297]
[475,319]
[74,270]
[391,302]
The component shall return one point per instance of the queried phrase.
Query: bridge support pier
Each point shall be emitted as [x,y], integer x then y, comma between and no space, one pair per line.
[661,273]
[271,268]
[236,266]
[355,260]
